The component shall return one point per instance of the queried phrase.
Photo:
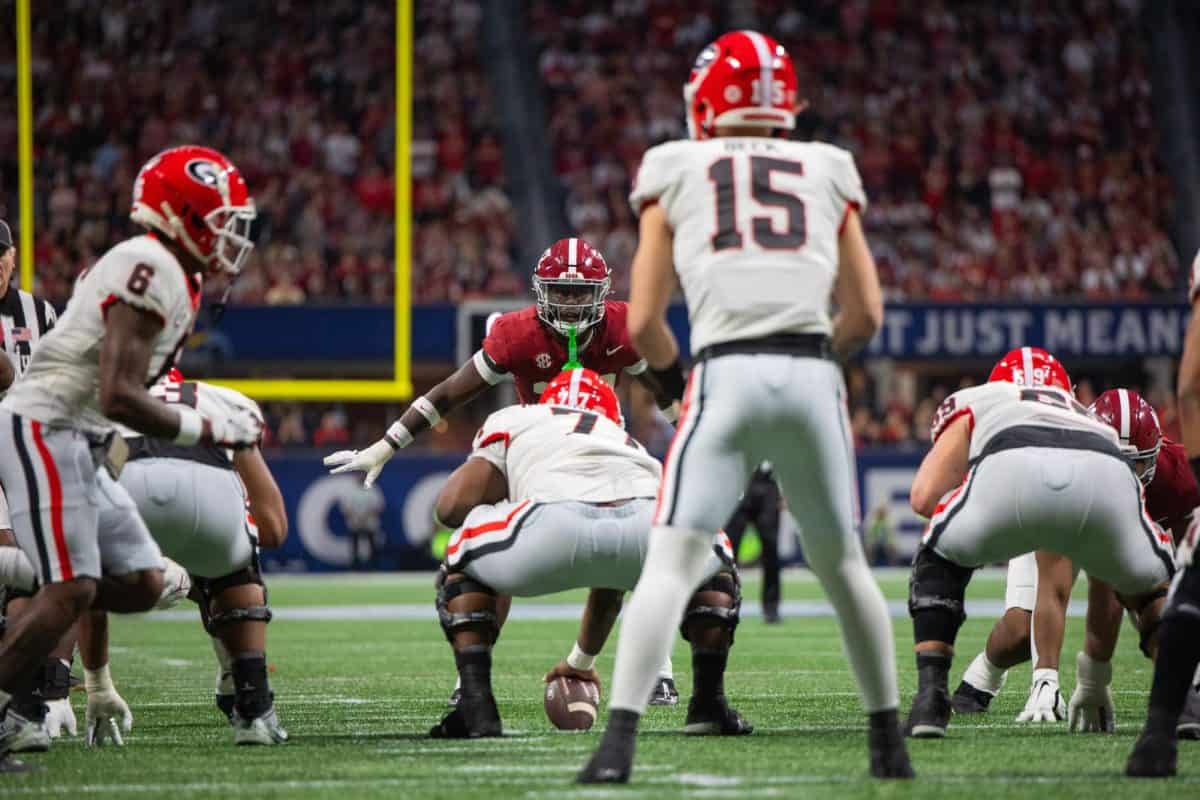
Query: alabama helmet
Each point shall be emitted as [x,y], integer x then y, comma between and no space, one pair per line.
[1137,426]
[744,78]
[1031,366]
[571,282]
[583,390]
[196,197]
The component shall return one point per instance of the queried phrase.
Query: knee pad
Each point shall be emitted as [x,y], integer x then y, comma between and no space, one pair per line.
[727,583]
[209,588]
[936,590]
[452,621]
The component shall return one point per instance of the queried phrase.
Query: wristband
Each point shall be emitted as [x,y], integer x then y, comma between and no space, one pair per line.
[670,379]
[97,680]
[398,436]
[191,426]
[580,660]
[427,410]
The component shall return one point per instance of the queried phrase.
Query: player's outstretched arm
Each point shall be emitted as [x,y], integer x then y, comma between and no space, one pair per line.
[859,298]
[463,386]
[652,281]
[266,501]
[599,616]
[474,483]
[942,468]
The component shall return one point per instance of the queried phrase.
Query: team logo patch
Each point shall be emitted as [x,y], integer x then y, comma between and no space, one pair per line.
[204,171]
[543,361]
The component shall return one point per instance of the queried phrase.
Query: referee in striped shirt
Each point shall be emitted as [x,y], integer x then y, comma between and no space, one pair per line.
[23,317]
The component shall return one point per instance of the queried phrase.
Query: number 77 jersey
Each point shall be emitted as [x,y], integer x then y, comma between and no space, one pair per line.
[61,385]
[553,453]
[756,224]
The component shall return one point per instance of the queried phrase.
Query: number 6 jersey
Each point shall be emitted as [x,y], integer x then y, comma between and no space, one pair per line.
[62,384]
[554,453]
[756,224]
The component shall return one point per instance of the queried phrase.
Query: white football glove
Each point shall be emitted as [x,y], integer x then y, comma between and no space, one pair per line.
[60,719]
[176,585]
[239,426]
[370,461]
[1091,707]
[108,715]
[1045,702]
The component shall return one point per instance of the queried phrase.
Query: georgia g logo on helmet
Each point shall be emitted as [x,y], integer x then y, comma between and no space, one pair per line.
[203,171]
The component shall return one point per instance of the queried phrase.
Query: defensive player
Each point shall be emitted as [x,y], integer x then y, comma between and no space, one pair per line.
[1154,755]
[558,496]
[127,319]
[759,232]
[1056,481]
[760,505]
[571,283]
[1171,495]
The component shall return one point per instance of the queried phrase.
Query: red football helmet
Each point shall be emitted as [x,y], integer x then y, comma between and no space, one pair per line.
[743,78]
[195,196]
[584,390]
[571,281]
[1136,424]
[1031,366]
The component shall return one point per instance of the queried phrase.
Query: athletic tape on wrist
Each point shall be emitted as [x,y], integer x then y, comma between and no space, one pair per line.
[398,436]
[579,659]
[427,410]
[191,426]
[97,680]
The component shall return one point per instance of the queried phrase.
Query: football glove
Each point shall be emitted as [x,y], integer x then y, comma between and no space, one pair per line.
[1045,702]
[60,718]
[1091,708]
[176,585]
[108,715]
[238,427]
[370,461]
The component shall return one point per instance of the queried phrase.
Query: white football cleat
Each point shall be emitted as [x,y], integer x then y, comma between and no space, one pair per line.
[26,735]
[264,730]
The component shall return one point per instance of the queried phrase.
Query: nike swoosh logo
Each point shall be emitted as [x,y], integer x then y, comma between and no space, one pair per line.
[613,350]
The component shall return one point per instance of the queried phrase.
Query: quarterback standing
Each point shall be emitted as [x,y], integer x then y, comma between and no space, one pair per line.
[759,232]
[126,322]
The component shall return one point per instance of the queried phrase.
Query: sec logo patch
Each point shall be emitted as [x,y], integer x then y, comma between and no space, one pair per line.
[543,361]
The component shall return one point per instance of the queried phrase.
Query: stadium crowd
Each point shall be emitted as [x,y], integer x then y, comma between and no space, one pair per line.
[1008,149]
[303,103]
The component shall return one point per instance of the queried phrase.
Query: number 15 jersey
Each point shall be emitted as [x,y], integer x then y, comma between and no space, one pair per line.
[554,453]
[61,387]
[756,223]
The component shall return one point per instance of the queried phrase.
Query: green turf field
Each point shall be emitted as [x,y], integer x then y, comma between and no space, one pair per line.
[358,692]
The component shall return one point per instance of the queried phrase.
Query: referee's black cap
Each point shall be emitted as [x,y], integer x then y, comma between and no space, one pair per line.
[5,235]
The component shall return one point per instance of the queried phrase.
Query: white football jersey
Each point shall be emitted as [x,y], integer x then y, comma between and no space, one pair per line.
[999,405]
[756,223]
[553,453]
[1194,289]
[61,387]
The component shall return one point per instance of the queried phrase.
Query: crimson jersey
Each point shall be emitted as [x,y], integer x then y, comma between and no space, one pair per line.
[1173,493]
[519,344]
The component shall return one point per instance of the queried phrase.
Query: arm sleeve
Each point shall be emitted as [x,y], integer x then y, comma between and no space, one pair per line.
[847,183]
[653,181]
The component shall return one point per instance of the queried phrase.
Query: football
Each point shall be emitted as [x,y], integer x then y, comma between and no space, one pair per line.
[572,704]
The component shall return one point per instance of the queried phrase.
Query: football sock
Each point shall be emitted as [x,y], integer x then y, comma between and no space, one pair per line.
[27,695]
[620,735]
[250,684]
[708,674]
[475,669]
[667,670]
[984,675]
[933,670]
[1178,654]
[676,561]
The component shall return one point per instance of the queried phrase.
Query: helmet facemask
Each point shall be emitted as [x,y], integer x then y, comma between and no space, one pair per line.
[565,303]
[231,228]
[1144,462]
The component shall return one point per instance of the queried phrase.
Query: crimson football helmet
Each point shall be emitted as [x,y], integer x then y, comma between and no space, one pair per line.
[743,78]
[571,282]
[195,196]
[584,390]
[1137,426]
[1031,366]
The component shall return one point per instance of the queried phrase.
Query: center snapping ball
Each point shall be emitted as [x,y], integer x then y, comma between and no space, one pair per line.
[572,704]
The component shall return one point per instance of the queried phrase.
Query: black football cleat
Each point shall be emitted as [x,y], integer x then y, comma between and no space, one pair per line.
[611,763]
[474,718]
[889,756]
[1188,726]
[1153,756]
[969,700]
[455,697]
[930,714]
[715,718]
[664,693]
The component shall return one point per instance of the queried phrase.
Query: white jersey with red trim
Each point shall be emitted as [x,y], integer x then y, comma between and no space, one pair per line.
[61,387]
[554,453]
[756,223]
[1000,405]
[1194,289]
